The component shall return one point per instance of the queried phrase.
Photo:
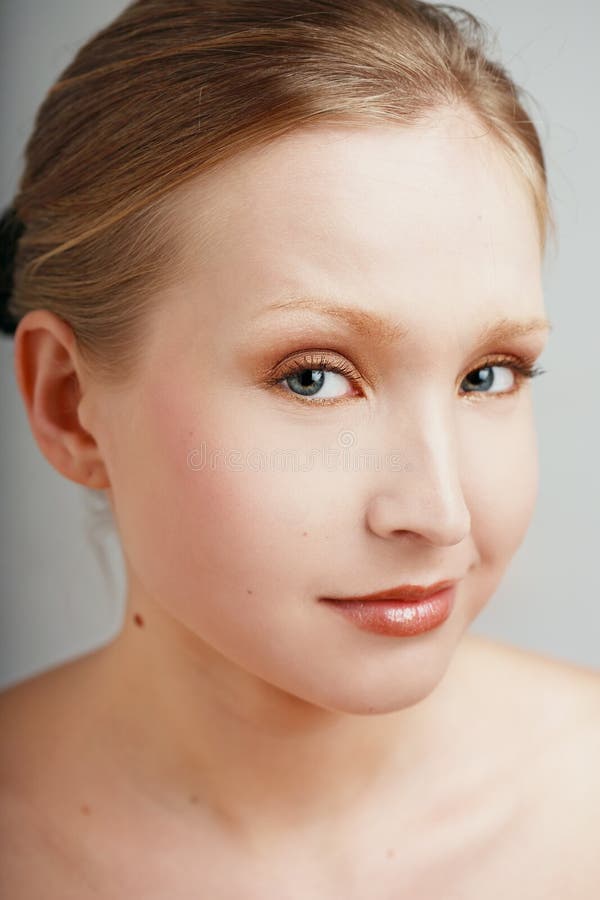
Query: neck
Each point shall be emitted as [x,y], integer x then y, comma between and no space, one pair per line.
[191,729]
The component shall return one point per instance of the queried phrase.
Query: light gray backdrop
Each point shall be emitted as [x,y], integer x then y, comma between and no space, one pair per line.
[55,602]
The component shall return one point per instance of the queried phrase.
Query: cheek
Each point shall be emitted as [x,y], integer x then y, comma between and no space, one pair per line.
[503,487]
[207,522]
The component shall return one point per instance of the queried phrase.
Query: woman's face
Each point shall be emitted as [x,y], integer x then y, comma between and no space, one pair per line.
[242,497]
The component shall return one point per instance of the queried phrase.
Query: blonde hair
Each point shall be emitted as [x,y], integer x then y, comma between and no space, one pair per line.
[170,89]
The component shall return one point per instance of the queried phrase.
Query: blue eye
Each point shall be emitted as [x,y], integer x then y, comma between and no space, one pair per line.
[520,369]
[324,378]
[309,382]
[481,383]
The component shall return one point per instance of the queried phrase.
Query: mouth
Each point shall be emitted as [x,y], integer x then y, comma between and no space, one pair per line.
[404,593]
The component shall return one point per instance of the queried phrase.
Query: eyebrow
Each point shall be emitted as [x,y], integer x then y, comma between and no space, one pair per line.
[384,331]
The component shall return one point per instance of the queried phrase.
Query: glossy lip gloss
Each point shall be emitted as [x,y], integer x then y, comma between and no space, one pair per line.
[398,618]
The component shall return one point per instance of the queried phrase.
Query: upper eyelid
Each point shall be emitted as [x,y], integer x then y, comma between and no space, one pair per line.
[304,337]
[323,356]
[317,354]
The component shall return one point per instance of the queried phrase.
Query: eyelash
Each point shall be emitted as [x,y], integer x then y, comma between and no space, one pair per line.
[523,368]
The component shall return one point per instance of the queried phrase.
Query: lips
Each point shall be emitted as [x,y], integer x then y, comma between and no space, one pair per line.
[404,593]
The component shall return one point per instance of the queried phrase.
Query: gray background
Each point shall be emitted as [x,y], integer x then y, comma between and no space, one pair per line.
[55,601]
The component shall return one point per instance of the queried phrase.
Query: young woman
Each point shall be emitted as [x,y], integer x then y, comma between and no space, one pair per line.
[274,277]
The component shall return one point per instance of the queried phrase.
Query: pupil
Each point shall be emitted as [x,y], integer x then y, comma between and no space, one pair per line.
[305,379]
[485,381]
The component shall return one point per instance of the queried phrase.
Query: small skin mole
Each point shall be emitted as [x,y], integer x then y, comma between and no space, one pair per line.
[193,799]
[305,534]
[248,591]
[138,620]
[85,809]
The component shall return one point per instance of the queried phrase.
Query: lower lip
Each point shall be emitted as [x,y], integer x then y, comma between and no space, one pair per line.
[397,618]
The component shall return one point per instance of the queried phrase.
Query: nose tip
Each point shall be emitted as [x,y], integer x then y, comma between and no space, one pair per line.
[426,499]
[442,519]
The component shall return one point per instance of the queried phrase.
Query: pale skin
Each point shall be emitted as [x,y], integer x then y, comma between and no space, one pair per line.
[239,739]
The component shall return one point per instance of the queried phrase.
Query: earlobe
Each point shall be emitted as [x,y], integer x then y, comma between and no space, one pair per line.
[50,382]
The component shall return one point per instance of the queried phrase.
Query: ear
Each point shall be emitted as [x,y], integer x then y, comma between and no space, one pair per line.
[50,377]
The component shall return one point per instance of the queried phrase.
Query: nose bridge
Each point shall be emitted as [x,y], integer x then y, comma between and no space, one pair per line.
[426,495]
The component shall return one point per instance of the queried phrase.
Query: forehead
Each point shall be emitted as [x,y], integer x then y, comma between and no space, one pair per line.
[382,215]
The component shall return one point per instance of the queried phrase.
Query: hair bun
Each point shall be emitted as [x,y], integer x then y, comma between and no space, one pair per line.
[11,229]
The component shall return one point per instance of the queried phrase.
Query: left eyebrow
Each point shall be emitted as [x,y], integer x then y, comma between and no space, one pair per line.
[386,332]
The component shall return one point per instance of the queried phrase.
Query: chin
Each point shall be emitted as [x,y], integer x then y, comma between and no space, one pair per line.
[363,697]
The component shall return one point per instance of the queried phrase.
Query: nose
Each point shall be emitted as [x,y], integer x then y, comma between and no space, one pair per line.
[425,497]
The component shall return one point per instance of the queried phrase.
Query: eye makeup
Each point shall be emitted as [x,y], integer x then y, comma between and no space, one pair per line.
[309,363]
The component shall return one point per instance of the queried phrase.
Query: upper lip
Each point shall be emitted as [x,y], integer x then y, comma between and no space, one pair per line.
[403,592]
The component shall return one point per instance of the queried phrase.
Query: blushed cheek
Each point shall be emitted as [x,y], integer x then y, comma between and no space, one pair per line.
[203,529]
[503,492]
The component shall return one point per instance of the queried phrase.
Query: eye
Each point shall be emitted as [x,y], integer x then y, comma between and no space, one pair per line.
[326,378]
[317,376]
[490,375]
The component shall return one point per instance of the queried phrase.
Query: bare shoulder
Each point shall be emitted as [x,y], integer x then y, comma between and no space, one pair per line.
[550,709]
[568,695]
[46,725]
[35,718]
[567,712]
[553,704]
[562,687]
[38,717]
